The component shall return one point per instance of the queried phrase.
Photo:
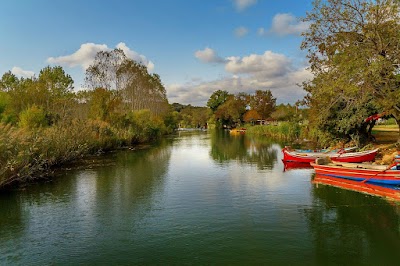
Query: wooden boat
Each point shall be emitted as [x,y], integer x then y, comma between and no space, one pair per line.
[384,191]
[341,156]
[360,172]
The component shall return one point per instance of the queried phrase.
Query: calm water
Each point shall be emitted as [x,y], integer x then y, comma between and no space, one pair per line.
[199,198]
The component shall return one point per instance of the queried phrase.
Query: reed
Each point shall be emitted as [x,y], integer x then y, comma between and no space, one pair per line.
[285,131]
[28,154]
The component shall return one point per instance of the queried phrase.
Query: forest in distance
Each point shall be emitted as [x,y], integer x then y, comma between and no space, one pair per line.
[352,47]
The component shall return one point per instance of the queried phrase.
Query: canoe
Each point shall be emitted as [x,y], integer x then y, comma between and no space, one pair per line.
[351,157]
[360,172]
[384,191]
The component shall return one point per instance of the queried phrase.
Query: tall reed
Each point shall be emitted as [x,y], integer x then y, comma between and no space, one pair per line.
[285,131]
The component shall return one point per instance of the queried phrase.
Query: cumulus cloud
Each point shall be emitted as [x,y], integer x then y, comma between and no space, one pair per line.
[85,55]
[241,32]
[21,72]
[269,63]
[286,24]
[241,5]
[267,71]
[208,55]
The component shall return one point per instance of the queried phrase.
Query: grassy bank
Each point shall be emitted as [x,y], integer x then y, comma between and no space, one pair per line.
[284,131]
[28,154]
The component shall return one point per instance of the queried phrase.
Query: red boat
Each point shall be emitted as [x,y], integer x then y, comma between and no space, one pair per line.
[295,165]
[308,157]
[388,192]
[362,173]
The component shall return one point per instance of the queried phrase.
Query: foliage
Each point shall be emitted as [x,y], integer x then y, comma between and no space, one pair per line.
[286,131]
[231,111]
[263,102]
[129,80]
[353,51]
[45,123]
[251,116]
[216,99]
[33,117]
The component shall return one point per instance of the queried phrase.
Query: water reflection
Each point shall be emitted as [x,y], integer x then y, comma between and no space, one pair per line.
[353,228]
[226,147]
[72,211]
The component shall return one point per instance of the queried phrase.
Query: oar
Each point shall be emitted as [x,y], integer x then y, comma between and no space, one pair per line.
[382,172]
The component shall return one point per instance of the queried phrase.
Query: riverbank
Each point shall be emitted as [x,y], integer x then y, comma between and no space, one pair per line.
[30,154]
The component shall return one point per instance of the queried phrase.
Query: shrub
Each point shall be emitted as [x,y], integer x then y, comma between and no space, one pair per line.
[32,117]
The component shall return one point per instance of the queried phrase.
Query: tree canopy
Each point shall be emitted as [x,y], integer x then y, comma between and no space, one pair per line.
[353,50]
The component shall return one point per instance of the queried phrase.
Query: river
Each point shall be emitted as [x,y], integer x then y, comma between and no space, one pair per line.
[196,198]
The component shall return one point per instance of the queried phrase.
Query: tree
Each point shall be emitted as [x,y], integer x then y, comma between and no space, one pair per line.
[8,82]
[353,52]
[231,111]
[113,71]
[250,116]
[56,87]
[216,99]
[263,102]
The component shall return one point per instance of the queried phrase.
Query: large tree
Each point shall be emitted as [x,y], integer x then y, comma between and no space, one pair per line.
[263,102]
[353,49]
[113,71]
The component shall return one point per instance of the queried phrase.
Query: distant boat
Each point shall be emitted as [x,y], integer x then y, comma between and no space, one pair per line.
[237,131]
[342,156]
[359,172]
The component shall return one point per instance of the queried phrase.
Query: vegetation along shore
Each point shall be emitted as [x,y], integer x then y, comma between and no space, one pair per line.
[353,52]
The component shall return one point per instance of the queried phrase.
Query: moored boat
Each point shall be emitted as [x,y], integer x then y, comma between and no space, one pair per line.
[384,191]
[360,172]
[341,156]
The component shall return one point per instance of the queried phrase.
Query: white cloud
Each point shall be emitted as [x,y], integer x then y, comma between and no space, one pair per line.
[85,55]
[22,73]
[285,24]
[241,5]
[241,31]
[267,71]
[269,63]
[208,55]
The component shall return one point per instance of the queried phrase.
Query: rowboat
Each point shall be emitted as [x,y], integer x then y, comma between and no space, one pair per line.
[384,191]
[359,172]
[341,156]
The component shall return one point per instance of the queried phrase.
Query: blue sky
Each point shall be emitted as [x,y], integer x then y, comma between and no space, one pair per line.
[196,46]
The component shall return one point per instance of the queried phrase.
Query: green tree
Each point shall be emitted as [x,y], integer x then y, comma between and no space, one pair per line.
[263,102]
[216,99]
[231,111]
[33,117]
[138,89]
[353,49]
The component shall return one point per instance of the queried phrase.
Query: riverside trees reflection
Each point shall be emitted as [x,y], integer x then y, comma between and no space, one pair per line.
[225,147]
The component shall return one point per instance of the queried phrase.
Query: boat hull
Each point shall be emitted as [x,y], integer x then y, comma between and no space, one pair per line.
[388,192]
[372,176]
[351,157]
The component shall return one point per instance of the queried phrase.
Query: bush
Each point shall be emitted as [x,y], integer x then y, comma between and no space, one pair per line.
[32,117]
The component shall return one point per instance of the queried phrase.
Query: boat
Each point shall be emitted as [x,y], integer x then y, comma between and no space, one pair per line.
[295,165]
[341,156]
[384,191]
[237,131]
[360,172]
[348,149]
